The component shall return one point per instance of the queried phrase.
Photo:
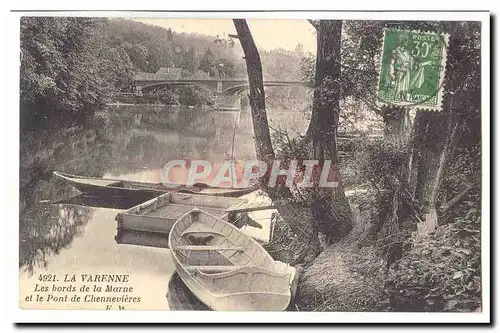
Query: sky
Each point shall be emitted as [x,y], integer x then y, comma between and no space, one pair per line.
[267,33]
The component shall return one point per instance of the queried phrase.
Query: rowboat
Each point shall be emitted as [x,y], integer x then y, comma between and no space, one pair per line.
[150,222]
[124,188]
[159,214]
[226,269]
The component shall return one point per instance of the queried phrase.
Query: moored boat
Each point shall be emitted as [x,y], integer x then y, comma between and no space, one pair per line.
[122,188]
[226,269]
[159,214]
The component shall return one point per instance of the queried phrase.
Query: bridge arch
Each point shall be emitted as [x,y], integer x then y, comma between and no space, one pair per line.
[226,87]
[242,87]
[153,88]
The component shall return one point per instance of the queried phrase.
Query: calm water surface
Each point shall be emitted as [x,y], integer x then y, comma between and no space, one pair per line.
[130,142]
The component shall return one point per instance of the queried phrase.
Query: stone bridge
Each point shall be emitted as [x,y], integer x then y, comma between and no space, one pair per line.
[149,84]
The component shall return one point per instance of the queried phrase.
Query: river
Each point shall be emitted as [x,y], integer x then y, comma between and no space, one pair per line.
[127,142]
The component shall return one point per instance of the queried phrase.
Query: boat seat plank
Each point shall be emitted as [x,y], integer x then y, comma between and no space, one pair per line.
[198,227]
[212,268]
[174,211]
[209,248]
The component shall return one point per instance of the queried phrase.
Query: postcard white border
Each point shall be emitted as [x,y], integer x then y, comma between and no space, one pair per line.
[11,167]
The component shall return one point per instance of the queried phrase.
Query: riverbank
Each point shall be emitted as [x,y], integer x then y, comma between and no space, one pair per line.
[347,276]
[438,273]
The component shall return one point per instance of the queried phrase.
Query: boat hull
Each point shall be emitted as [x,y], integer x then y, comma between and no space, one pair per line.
[150,222]
[242,301]
[104,191]
[235,274]
[102,187]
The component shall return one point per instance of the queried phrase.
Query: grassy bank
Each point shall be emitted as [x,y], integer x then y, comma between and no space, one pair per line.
[441,272]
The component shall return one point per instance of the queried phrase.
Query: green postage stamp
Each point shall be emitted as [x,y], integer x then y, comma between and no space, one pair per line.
[412,69]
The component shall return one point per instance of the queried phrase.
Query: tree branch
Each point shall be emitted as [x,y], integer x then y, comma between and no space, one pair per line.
[314,23]
[459,197]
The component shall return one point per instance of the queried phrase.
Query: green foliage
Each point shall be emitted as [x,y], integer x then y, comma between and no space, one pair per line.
[279,64]
[288,146]
[151,47]
[226,68]
[195,95]
[442,273]
[185,95]
[308,69]
[207,63]
[189,58]
[68,69]
[216,67]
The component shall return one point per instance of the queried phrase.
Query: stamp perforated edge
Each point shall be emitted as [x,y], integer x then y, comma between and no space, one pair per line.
[442,74]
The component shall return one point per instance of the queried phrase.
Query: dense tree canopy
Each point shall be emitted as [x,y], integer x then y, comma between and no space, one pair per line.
[72,66]
[151,47]
[207,63]
[68,68]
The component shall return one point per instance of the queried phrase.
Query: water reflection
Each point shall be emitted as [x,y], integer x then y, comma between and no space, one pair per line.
[108,202]
[48,230]
[126,142]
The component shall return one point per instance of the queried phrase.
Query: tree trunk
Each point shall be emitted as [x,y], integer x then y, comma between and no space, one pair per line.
[434,139]
[257,97]
[330,207]
[417,181]
[396,124]
[322,130]
[294,214]
[435,134]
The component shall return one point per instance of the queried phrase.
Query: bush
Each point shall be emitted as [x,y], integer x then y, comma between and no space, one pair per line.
[169,97]
[195,95]
[443,272]
[68,70]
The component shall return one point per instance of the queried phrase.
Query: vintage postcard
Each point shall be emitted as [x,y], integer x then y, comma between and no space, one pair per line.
[287,166]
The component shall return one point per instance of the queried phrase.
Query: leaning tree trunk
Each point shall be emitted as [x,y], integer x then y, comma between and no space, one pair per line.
[294,214]
[436,134]
[434,137]
[330,207]
[257,97]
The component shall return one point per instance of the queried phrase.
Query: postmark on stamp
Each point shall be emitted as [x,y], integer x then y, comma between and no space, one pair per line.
[412,69]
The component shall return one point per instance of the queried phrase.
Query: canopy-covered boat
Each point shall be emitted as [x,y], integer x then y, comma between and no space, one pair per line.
[121,188]
[226,269]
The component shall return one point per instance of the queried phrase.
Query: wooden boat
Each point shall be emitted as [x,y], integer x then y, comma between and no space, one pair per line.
[159,214]
[226,269]
[122,188]
[150,222]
